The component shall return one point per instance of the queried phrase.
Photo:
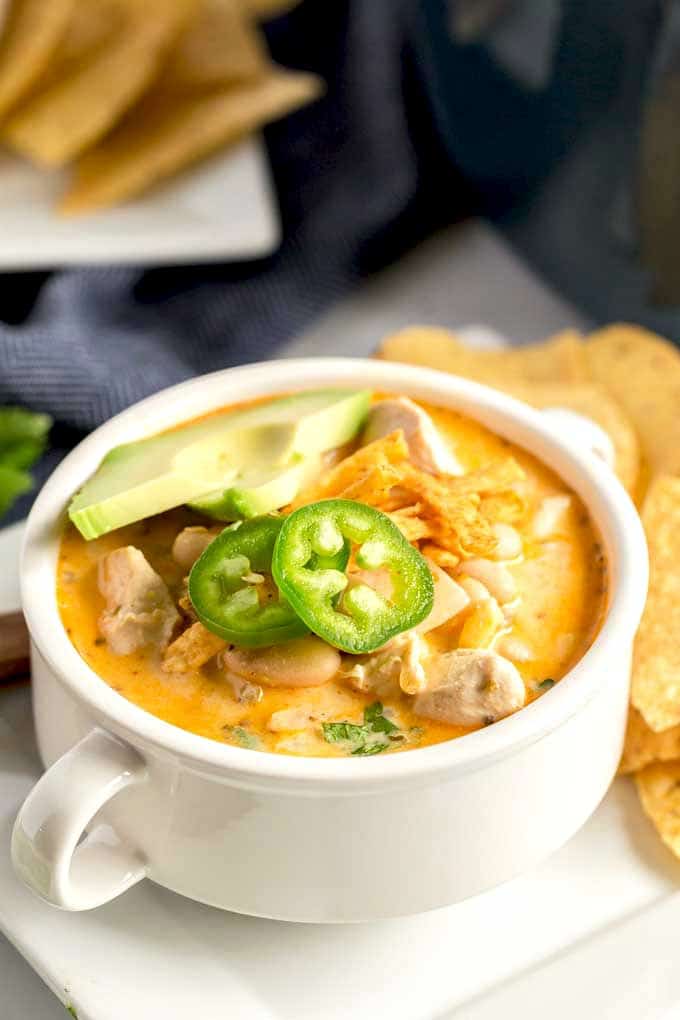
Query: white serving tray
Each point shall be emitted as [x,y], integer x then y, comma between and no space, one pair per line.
[223,208]
[591,934]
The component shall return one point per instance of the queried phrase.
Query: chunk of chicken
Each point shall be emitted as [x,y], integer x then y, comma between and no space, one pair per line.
[139,610]
[192,649]
[470,687]
[304,662]
[427,449]
[400,664]
[412,652]
[449,600]
[378,672]
[190,543]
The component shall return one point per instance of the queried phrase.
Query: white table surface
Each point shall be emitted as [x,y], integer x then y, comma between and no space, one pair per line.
[464,275]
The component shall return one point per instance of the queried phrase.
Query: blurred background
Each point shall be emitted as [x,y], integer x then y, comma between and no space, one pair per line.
[141,242]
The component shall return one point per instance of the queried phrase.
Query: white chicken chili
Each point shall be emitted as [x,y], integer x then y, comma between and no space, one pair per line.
[517,584]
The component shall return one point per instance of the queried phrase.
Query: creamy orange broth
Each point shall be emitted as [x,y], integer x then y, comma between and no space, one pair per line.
[562,588]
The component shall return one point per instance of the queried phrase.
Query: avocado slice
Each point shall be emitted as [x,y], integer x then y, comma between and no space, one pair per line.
[259,491]
[146,477]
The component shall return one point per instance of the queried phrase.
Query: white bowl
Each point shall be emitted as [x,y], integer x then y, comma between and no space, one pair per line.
[312,839]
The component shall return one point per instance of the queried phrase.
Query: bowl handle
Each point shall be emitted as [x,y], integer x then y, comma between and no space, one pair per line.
[582,432]
[49,852]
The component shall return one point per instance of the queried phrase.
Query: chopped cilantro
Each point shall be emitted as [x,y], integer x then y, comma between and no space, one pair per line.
[241,736]
[71,1010]
[337,732]
[546,684]
[366,749]
[373,717]
[23,439]
[372,737]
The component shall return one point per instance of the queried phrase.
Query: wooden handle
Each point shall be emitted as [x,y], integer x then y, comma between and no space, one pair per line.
[14,660]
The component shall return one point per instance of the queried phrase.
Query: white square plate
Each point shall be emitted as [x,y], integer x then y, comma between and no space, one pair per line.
[591,934]
[222,209]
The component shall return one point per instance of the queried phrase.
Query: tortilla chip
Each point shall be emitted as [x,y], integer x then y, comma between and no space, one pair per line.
[559,359]
[594,402]
[452,505]
[493,479]
[659,789]
[91,25]
[531,374]
[442,557]
[504,508]
[162,136]
[383,453]
[642,371]
[221,46]
[191,650]
[373,486]
[29,38]
[643,746]
[655,690]
[412,526]
[57,123]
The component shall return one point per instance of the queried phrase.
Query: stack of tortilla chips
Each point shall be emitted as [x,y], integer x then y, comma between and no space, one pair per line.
[628,381]
[129,92]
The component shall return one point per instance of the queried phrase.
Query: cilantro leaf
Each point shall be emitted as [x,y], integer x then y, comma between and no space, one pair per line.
[373,717]
[369,738]
[336,733]
[241,736]
[546,684]
[366,749]
[18,424]
[13,483]
[23,453]
[23,439]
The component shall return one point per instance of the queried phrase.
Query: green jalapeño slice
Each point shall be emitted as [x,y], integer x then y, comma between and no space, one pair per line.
[356,618]
[232,591]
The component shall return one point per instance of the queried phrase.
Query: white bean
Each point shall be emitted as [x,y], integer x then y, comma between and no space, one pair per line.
[514,648]
[305,662]
[509,542]
[549,516]
[189,545]
[493,576]
[475,590]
